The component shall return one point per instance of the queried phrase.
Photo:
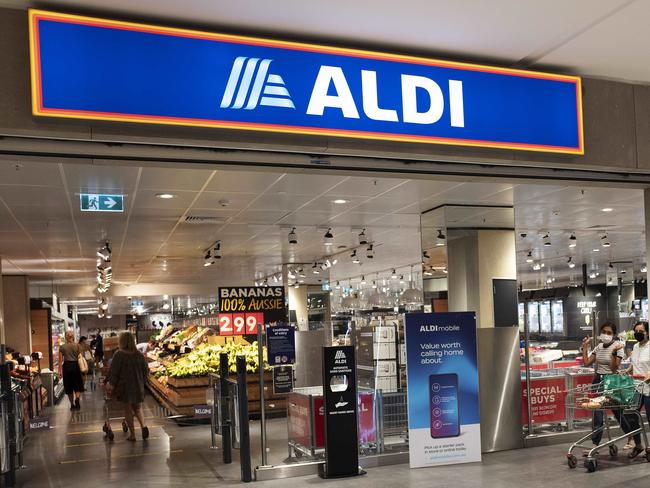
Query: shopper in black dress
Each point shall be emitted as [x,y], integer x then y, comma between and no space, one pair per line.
[72,380]
[126,379]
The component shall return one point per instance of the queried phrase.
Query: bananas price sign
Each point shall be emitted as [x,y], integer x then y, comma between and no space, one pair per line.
[243,309]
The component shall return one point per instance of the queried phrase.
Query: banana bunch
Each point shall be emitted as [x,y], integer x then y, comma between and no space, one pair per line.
[204,359]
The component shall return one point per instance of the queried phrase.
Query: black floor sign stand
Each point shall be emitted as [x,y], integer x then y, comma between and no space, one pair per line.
[340,393]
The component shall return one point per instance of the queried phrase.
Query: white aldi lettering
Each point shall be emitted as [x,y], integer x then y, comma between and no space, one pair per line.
[333,77]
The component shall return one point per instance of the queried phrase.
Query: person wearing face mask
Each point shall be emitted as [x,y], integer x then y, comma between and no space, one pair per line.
[606,358]
[640,369]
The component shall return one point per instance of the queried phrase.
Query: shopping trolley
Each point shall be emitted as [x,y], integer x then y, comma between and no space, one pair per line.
[110,405]
[616,393]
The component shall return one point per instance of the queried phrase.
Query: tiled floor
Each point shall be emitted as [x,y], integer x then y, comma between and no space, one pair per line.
[75,454]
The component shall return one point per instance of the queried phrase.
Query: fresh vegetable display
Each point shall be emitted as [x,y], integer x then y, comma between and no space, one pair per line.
[204,359]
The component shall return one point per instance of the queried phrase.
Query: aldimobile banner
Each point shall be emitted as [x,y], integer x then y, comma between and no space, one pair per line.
[443,396]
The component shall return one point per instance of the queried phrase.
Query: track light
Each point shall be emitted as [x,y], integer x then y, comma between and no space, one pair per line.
[338,285]
[611,266]
[363,238]
[529,257]
[604,240]
[570,263]
[644,269]
[573,242]
[363,280]
[393,275]
[440,239]
[328,238]
[293,238]
[537,266]
[291,274]
[370,253]
[315,269]
[427,272]
[547,240]
[425,255]
[301,273]
[217,250]
[355,258]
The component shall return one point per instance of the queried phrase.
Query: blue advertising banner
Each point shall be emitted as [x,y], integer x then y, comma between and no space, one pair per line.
[89,68]
[443,396]
[281,344]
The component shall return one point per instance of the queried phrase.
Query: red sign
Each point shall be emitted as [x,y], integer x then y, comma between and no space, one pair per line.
[548,400]
[240,323]
[298,419]
[225,324]
[367,427]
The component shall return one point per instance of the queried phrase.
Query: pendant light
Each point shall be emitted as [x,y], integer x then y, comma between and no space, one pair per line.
[413,297]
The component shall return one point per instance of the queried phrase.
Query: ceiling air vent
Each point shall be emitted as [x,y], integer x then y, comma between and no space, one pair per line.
[203,220]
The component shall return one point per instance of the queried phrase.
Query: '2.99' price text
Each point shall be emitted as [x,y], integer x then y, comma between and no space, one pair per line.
[240,323]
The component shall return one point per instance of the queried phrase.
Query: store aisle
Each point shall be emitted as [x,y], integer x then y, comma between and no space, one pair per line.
[74,454]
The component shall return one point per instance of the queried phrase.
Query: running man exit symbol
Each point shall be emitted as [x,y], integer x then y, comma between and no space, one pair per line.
[94,202]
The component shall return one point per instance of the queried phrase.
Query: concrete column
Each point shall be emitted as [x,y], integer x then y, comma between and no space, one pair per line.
[298,302]
[475,258]
[18,331]
[2,323]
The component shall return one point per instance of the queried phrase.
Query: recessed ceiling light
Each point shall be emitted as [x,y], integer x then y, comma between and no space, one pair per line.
[607,209]
[340,201]
[165,196]
[596,250]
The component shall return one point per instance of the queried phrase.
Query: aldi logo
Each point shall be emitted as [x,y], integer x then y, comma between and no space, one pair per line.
[252,85]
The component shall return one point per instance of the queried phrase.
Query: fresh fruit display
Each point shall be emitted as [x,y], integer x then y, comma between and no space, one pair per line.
[204,359]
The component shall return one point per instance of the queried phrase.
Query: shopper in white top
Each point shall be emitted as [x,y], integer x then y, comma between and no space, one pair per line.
[606,359]
[640,369]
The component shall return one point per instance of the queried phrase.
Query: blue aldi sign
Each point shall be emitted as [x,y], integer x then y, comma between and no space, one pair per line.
[99,69]
[94,202]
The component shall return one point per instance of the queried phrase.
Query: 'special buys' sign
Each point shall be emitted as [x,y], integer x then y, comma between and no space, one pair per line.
[89,68]
[243,309]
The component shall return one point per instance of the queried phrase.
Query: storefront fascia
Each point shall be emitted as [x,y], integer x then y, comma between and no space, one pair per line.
[613,111]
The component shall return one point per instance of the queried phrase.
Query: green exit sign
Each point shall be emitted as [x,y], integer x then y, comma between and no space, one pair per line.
[97,202]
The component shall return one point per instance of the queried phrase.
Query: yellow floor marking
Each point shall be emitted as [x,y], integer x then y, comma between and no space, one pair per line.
[110,458]
[100,430]
[101,443]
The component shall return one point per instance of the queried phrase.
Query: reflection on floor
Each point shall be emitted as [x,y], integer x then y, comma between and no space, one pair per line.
[74,454]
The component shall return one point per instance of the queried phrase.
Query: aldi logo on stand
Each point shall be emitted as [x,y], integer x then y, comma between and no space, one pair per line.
[89,68]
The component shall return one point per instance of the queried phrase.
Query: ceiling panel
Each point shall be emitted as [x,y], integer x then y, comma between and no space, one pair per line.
[242,182]
[159,180]
[100,179]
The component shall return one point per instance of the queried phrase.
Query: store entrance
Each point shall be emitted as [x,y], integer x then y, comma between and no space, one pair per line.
[352,255]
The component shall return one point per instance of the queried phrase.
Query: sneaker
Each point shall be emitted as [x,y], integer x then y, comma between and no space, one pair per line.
[145,433]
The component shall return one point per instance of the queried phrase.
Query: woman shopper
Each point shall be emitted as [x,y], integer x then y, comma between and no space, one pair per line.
[73,382]
[640,369]
[125,380]
[90,360]
[607,359]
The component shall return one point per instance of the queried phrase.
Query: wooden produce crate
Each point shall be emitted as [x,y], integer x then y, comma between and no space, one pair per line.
[181,394]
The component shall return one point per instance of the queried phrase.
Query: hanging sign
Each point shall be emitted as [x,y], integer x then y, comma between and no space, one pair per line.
[443,396]
[89,68]
[281,344]
[243,309]
[95,202]
[282,379]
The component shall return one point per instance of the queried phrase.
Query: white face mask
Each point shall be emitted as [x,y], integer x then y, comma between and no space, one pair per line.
[606,339]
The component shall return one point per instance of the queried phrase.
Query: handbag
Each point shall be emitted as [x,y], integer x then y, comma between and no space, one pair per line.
[88,356]
[83,364]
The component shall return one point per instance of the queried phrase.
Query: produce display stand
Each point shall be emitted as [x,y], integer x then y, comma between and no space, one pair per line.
[180,395]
